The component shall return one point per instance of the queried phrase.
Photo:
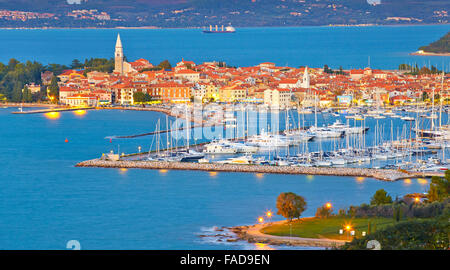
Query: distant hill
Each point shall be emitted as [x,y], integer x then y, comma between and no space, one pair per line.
[440,46]
[198,13]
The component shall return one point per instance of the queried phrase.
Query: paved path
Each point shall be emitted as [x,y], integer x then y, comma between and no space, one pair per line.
[254,234]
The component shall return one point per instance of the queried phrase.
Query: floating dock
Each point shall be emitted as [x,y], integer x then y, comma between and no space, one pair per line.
[380,174]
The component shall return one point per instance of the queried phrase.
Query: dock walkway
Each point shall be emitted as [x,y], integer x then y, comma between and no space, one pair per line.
[50,110]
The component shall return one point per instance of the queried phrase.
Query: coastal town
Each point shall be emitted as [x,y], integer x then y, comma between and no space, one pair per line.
[222,135]
[138,82]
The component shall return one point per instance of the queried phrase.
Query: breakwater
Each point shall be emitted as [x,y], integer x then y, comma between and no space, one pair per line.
[380,174]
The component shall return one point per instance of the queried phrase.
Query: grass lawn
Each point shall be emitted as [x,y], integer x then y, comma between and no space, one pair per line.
[328,227]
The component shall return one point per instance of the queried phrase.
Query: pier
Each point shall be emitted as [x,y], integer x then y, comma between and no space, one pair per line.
[380,174]
[50,110]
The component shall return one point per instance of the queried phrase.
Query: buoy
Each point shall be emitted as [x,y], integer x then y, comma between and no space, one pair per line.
[110,140]
[66,140]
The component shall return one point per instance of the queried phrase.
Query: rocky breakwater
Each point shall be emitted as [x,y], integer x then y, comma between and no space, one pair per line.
[380,174]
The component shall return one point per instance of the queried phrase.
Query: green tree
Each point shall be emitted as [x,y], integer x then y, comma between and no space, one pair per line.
[424,96]
[17,93]
[397,213]
[324,212]
[380,197]
[165,65]
[76,64]
[26,94]
[290,205]
[53,90]
[138,97]
[439,188]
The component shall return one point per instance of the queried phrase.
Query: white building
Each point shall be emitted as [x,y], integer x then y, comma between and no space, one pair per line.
[277,98]
[82,100]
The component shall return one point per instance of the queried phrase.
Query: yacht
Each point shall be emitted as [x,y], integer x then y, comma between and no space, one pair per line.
[219,148]
[190,156]
[268,140]
[407,118]
[339,126]
[237,160]
[323,132]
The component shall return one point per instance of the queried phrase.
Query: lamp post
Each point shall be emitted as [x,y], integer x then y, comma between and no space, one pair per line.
[290,228]
[269,215]
[261,220]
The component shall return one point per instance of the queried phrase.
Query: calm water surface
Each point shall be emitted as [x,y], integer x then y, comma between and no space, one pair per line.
[349,47]
[46,201]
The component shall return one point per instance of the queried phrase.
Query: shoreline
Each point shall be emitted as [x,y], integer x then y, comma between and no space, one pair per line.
[201,27]
[253,234]
[379,174]
[429,54]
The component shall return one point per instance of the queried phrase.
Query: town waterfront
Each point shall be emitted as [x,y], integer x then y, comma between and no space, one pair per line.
[349,47]
[46,201]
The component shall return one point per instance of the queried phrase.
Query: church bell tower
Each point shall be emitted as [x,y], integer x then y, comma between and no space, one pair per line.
[118,56]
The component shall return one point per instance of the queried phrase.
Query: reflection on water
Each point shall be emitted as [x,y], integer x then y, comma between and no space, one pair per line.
[53,115]
[407,182]
[259,175]
[80,112]
[422,181]
[213,174]
[261,246]
[163,172]
[137,214]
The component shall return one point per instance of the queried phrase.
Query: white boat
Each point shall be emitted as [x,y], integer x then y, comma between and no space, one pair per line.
[323,132]
[339,126]
[203,161]
[243,148]
[323,163]
[338,161]
[237,160]
[219,148]
[407,118]
[268,140]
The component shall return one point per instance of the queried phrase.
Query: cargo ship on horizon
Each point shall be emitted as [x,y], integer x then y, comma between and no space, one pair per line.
[222,30]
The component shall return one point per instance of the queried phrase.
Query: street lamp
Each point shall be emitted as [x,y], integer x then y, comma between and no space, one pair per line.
[328,205]
[261,220]
[269,215]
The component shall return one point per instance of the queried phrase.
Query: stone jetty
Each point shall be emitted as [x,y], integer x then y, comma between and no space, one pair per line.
[380,174]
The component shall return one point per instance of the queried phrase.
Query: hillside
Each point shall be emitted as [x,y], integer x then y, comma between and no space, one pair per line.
[440,46]
[198,13]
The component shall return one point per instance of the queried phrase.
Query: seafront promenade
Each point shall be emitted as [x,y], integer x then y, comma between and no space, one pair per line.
[380,174]
[253,234]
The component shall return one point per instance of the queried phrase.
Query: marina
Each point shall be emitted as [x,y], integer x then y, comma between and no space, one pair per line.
[300,142]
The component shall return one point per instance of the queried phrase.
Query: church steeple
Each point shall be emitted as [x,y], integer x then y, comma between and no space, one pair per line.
[118,42]
[118,56]
[306,79]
